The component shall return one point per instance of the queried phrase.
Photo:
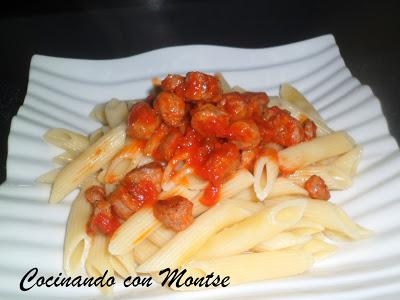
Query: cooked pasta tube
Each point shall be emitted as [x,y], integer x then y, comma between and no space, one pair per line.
[306,223]
[116,112]
[87,163]
[194,182]
[226,88]
[128,158]
[246,234]
[98,113]
[239,89]
[254,266]
[306,153]
[49,177]
[143,223]
[133,231]
[334,177]
[186,243]
[329,216]
[319,248]
[161,236]
[77,242]
[66,139]
[179,190]
[96,135]
[123,265]
[266,171]
[236,184]
[284,186]
[292,95]
[144,250]
[281,241]
[99,261]
[334,218]
[349,161]
[65,157]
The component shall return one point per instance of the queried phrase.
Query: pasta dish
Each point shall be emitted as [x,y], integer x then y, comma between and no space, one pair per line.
[204,177]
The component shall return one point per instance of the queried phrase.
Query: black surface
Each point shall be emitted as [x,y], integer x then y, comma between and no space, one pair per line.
[367,33]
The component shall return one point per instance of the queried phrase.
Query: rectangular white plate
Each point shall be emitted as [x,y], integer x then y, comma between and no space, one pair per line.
[62,92]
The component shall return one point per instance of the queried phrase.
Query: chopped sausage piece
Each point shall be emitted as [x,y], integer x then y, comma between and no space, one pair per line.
[317,188]
[128,199]
[152,172]
[310,130]
[123,203]
[171,107]
[202,87]
[142,121]
[139,187]
[222,162]
[174,83]
[280,127]
[174,212]
[235,106]
[244,134]
[102,220]
[169,144]
[256,103]
[95,193]
[210,121]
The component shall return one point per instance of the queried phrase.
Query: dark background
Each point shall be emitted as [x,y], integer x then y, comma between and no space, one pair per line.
[367,32]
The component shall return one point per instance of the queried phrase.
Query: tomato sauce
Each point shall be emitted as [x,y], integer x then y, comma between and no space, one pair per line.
[191,121]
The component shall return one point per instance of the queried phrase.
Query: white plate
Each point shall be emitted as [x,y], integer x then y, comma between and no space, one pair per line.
[61,93]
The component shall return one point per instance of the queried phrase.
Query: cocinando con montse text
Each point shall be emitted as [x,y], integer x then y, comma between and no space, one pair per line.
[174,277]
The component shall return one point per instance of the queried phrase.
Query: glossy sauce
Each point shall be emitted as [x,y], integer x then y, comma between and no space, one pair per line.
[192,122]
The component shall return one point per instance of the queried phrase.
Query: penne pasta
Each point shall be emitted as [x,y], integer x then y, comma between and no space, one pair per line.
[179,190]
[99,261]
[77,242]
[204,178]
[66,139]
[292,95]
[98,113]
[224,84]
[349,161]
[284,186]
[237,88]
[144,251]
[329,216]
[319,249]
[123,265]
[266,171]
[87,163]
[186,243]
[65,157]
[161,236]
[254,266]
[246,234]
[49,177]
[124,161]
[306,153]
[143,223]
[96,135]
[281,241]
[131,233]
[116,112]
[334,177]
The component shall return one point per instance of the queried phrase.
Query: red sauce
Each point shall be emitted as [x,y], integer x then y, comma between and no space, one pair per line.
[191,121]
[145,192]
[211,195]
[106,224]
